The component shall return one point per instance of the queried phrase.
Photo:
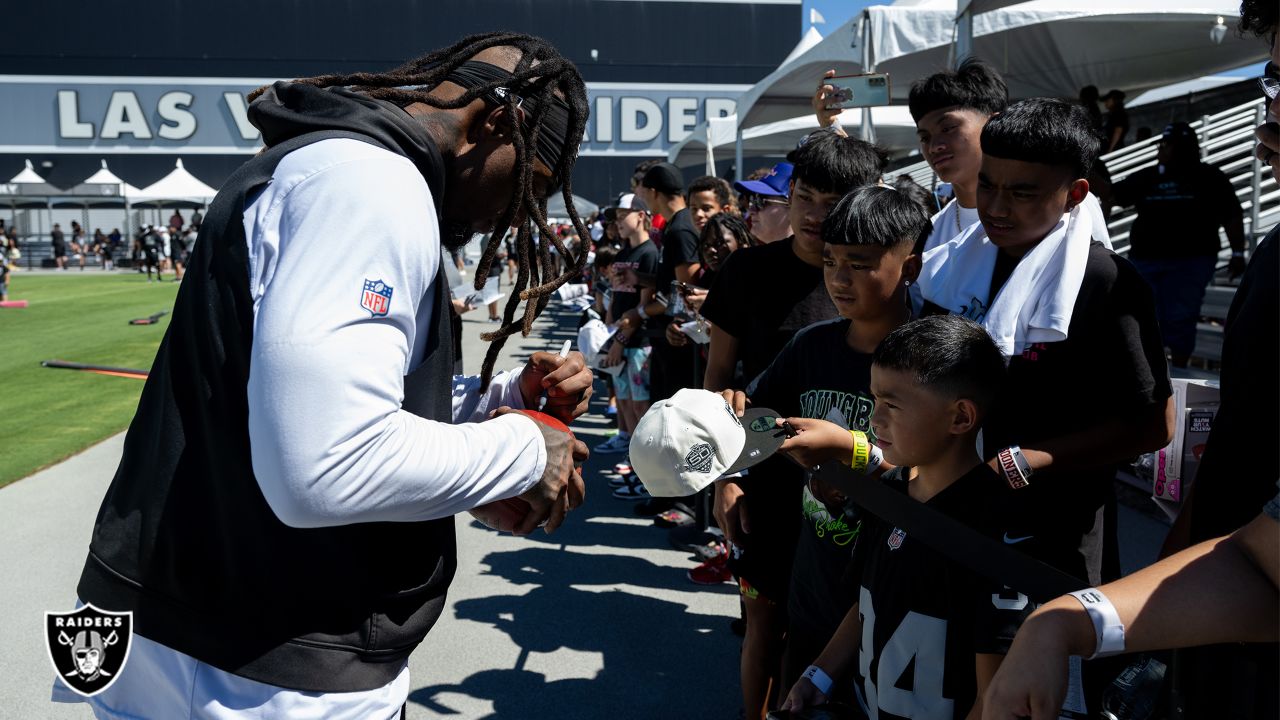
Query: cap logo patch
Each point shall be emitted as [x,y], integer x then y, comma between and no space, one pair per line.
[764,424]
[699,458]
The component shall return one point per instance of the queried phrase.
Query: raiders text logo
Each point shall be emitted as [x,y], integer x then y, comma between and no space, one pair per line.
[88,647]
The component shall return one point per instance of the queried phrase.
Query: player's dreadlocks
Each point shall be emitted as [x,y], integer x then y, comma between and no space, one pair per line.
[541,78]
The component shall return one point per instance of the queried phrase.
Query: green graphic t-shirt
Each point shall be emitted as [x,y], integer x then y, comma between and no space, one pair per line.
[817,375]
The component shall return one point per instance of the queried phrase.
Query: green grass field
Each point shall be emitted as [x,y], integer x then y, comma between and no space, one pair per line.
[82,317]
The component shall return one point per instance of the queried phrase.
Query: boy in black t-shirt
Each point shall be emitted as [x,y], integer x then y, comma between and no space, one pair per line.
[761,298]
[1098,392]
[926,632]
[824,374]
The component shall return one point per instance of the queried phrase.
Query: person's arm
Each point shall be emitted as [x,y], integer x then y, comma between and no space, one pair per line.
[1120,438]
[722,358]
[1220,591]
[632,321]
[1232,223]
[836,661]
[827,116]
[1117,134]
[687,272]
[331,444]
[985,666]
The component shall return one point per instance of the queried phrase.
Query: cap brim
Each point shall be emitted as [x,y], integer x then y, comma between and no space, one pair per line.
[757,187]
[763,438]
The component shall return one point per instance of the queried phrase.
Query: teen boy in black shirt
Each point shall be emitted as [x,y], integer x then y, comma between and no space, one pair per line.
[1080,406]
[927,633]
[824,374]
[761,298]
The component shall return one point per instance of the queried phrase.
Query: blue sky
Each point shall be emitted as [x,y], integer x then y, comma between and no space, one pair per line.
[836,12]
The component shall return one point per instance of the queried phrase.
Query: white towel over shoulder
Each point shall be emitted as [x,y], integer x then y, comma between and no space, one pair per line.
[1036,303]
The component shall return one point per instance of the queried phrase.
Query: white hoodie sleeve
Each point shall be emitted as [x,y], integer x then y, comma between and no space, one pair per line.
[330,442]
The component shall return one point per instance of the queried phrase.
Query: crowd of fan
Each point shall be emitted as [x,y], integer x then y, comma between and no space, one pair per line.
[1005,361]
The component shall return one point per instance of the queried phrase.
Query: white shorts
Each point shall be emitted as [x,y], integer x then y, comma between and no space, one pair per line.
[162,683]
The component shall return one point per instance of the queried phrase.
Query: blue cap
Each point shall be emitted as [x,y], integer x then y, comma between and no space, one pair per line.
[775,183]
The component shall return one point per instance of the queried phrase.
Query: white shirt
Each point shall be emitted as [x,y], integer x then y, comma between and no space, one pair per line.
[945,223]
[330,442]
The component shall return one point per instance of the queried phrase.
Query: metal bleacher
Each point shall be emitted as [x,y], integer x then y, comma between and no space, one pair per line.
[1226,141]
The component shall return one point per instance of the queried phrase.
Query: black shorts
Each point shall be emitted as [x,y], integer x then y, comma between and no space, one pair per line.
[59,250]
[762,563]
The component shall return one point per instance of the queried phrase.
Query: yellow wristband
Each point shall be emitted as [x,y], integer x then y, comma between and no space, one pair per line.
[861,450]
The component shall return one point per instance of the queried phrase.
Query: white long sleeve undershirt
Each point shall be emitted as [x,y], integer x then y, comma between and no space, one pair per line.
[330,442]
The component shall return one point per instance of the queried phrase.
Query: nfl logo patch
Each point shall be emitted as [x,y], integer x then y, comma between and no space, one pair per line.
[376,297]
[896,537]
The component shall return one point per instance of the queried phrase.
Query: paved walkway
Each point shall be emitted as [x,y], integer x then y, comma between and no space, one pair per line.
[595,621]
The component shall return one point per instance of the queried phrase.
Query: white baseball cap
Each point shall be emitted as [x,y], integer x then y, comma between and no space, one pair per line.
[683,444]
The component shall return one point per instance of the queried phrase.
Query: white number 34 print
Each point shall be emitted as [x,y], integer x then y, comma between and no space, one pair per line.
[918,636]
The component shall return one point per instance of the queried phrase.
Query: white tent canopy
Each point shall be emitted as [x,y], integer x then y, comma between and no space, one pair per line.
[556,208]
[178,188]
[1042,47]
[28,175]
[895,129]
[104,176]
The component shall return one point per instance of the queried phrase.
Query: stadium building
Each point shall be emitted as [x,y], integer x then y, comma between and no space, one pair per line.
[160,81]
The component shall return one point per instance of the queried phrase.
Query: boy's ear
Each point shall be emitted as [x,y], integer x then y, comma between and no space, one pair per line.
[911,267]
[1076,193]
[965,417]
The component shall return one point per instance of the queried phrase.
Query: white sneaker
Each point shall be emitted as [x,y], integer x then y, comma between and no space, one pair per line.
[617,444]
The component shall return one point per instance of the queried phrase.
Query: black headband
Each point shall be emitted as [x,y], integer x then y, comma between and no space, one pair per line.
[555,123]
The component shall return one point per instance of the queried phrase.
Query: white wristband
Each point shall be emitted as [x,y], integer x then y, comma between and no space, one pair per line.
[819,678]
[1108,631]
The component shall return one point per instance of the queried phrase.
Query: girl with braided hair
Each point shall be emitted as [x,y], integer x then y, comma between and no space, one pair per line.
[281,525]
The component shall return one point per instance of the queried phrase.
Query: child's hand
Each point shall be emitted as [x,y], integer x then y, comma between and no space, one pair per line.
[816,442]
[803,694]
[675,337]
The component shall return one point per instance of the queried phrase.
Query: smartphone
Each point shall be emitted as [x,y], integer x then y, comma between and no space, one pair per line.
[852,91]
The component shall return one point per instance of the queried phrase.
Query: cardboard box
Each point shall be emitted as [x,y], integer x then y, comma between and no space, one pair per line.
[1172,469]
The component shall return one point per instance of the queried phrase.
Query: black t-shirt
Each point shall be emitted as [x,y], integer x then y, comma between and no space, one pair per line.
[1117,118]
[679,247]
[1240,463]
[925,617]
[817,375]
[643,258]
[763,296]
[1179,213]
[1111,364]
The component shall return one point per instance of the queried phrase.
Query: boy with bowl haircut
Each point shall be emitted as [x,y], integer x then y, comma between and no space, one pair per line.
[927,633]
[822,380]
[950,109]
[1088,385]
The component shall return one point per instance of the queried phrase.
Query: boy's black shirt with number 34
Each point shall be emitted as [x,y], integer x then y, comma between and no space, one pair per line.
[924,616]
